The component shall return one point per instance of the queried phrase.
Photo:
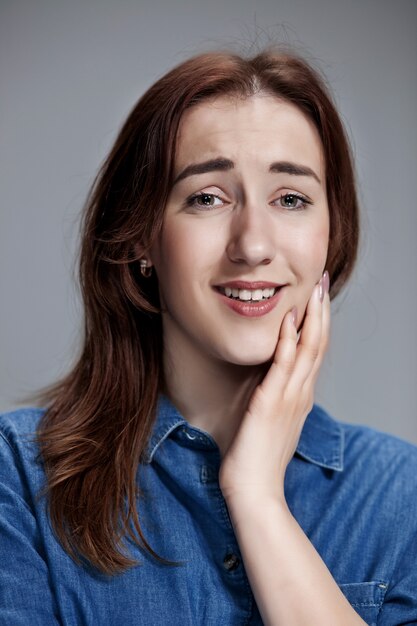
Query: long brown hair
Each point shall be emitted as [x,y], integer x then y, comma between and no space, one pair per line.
[99,418]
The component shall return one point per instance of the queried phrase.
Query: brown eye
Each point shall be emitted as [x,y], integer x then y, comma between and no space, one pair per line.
[205,201]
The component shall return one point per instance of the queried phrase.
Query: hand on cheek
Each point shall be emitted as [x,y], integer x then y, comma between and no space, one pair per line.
[301,311]
[255,463]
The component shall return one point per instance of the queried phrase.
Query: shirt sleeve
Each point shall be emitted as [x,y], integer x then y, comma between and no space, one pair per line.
[26,597]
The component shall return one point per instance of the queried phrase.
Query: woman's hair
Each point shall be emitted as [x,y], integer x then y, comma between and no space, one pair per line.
[100,416]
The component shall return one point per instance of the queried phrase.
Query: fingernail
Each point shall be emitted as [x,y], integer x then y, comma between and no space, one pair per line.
[321,290]
[326,282]
[294,316]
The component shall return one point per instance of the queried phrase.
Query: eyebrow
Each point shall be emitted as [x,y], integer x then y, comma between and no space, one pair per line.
[214,165]
[223,165]
[286,167]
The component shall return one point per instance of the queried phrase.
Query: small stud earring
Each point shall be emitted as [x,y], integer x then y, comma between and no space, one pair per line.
[145,270]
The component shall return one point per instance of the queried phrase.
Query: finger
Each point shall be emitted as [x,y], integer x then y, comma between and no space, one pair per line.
[286,350]
[325,334]
[309,342]
[284,358]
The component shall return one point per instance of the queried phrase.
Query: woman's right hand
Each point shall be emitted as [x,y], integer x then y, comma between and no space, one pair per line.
[255,463]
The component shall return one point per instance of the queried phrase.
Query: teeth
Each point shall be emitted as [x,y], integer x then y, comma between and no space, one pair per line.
[246,294]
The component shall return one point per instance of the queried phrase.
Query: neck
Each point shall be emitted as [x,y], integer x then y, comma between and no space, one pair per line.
[211,394]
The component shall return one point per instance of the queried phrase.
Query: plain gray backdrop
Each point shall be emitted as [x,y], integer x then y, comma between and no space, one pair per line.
[70,72]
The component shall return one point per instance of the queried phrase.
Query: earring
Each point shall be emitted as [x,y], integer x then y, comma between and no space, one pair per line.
[144,269]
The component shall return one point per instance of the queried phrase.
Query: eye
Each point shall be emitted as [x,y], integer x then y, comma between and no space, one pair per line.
[204,201]
[292,201]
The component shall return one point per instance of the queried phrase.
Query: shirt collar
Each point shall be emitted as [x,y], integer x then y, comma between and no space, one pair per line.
[321,441]
[168,418]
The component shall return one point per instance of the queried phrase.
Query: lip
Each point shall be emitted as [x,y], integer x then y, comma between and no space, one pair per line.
[244,284]
[257,308]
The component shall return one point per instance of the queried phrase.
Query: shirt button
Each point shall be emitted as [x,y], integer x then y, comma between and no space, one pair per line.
[231,562]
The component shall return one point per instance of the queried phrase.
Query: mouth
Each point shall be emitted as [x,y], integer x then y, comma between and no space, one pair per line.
[250,299]
[248,295]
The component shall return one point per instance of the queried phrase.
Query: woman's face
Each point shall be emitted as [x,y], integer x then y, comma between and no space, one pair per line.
[246,228]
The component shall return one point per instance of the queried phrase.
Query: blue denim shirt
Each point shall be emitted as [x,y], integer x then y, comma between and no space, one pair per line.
[353,491]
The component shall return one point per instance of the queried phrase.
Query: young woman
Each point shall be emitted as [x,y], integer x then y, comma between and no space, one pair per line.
[180,473]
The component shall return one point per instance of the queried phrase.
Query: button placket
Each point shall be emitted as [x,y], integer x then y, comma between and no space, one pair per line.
[208,474]
[231,562]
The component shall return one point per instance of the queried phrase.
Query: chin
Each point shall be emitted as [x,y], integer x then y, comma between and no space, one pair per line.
[252,362]
[249,355]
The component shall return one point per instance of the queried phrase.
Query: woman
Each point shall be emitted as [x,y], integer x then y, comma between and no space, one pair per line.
[181,474]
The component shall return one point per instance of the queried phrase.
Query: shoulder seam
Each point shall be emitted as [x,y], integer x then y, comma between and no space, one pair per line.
[3,436]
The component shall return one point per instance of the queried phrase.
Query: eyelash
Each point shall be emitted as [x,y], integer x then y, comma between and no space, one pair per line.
[192,201]
[304,201]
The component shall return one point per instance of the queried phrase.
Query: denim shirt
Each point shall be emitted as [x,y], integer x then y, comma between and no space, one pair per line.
[353,490]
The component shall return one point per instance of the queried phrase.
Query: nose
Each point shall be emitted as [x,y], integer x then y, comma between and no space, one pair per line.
[251,236]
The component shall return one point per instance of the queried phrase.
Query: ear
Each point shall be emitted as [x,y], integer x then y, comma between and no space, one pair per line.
[141,253]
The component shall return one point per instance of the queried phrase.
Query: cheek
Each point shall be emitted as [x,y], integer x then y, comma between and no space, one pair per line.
[309,266]
[318,247]
[186,248]
[182,256]
[308,251]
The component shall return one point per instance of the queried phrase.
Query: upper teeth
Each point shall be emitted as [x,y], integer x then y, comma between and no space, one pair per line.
[248,294]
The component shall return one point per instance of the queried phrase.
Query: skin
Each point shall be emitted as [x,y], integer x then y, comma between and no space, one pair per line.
[215,358]
[249,381]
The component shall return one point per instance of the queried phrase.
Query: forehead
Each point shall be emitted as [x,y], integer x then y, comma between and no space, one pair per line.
[260,127]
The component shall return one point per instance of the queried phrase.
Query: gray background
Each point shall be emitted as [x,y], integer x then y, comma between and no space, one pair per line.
[71,71]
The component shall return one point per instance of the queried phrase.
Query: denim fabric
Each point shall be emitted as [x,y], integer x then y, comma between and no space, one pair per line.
[353,491]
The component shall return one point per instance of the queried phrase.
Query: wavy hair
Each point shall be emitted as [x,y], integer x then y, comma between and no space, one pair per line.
[100,416]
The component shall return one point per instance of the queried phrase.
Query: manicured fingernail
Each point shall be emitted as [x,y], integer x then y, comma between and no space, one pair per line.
[326,282]
[294,316]
[321,290]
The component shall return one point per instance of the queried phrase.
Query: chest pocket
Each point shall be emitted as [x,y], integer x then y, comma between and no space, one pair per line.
[366,598]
